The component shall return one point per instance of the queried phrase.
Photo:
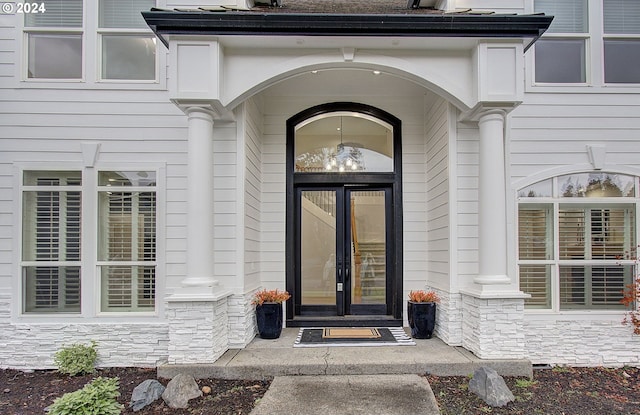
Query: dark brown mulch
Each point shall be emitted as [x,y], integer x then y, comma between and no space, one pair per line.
[557,391]
[29,393]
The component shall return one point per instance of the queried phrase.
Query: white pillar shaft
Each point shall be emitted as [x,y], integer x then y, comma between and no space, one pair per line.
[492,219]
[200,200]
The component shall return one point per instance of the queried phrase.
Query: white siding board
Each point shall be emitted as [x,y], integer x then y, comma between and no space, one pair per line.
[437,187]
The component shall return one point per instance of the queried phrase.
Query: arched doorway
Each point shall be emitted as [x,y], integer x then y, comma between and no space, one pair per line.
[344,216]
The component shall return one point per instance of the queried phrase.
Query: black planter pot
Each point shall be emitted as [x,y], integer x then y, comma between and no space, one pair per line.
[422,319]
[269,318]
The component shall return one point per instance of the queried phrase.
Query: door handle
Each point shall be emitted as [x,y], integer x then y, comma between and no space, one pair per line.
[346,272]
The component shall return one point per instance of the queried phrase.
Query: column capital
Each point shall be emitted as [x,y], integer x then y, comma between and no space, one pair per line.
[214,108]
[484,109]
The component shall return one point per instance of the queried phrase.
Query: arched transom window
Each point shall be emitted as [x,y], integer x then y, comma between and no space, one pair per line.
[577,240]
[343,141]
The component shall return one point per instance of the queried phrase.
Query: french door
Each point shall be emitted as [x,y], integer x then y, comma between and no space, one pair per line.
[344,239]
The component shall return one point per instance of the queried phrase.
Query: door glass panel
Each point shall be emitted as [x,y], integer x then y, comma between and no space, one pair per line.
[343,142]
[318,247]
[368,247]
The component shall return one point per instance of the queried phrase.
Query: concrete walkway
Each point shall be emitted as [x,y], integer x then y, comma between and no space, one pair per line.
[270,358]
[348,395]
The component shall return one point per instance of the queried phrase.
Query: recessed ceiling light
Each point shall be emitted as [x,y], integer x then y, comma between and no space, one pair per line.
[314,72]
[376,72]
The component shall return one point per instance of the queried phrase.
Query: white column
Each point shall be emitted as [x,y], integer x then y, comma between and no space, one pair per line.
[200,279]
[492,220]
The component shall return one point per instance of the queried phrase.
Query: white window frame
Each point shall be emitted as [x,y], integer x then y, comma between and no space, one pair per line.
[105,31]
[91,58]
[89,277]
[612,36]
[585,37]
[555,263]
[24,263]
[594,57]
[128,263]
[27,30]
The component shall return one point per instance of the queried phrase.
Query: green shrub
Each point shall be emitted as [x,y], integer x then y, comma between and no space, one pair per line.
[76,359]
[98,397]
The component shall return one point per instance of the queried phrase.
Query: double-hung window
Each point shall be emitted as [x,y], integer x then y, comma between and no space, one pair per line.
[51,231]
[55,41]
[127,240]
[55,204]
[577,240]
[561,55]
[621,23]
[63,42]
[128,48]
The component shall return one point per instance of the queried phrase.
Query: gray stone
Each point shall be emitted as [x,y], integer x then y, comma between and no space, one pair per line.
[490,387]
[145,393]
[180,390]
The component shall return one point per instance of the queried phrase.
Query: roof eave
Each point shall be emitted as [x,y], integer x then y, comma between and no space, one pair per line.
[362,25]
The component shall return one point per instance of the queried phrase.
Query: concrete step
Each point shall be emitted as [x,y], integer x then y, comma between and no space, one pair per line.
[348,395]
[269,358]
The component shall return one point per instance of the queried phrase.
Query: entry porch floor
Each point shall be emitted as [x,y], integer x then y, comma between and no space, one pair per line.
[269,358]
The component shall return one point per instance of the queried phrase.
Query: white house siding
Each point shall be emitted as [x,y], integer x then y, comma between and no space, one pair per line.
[439,174]
[466,220]
[242,325]
[7,54]
[548,136]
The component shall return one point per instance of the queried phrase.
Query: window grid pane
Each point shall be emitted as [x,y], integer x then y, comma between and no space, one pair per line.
[611,232]
[55,56]
[571,231]
[128,288]
[621,16]
[593,287]
[129,57]
[535,280]
[622,61]
[124,13]
[535,233]
[560,61]
[51,289]
[51,225]
[570,16]
[60,13]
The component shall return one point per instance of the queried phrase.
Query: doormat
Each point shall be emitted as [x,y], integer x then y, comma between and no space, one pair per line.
[352,336]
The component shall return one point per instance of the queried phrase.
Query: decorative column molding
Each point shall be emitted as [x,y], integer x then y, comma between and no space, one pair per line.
[199,282]
[492,222]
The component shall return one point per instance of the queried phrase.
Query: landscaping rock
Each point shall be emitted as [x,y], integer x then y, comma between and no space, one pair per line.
[490,387]
[146,393]
[180,390]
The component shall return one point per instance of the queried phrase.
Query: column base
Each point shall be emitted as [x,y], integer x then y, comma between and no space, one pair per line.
[198,288]
[492,280]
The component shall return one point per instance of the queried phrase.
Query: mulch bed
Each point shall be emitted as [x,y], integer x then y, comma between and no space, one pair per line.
[558,391]
[29,393]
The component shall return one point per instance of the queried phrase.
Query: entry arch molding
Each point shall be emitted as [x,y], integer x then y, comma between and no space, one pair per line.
[391,180]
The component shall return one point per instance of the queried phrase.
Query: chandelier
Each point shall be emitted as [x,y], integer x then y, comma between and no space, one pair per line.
[344,157]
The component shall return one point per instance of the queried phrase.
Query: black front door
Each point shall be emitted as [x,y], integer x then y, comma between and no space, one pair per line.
[344,216]
[343,251]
